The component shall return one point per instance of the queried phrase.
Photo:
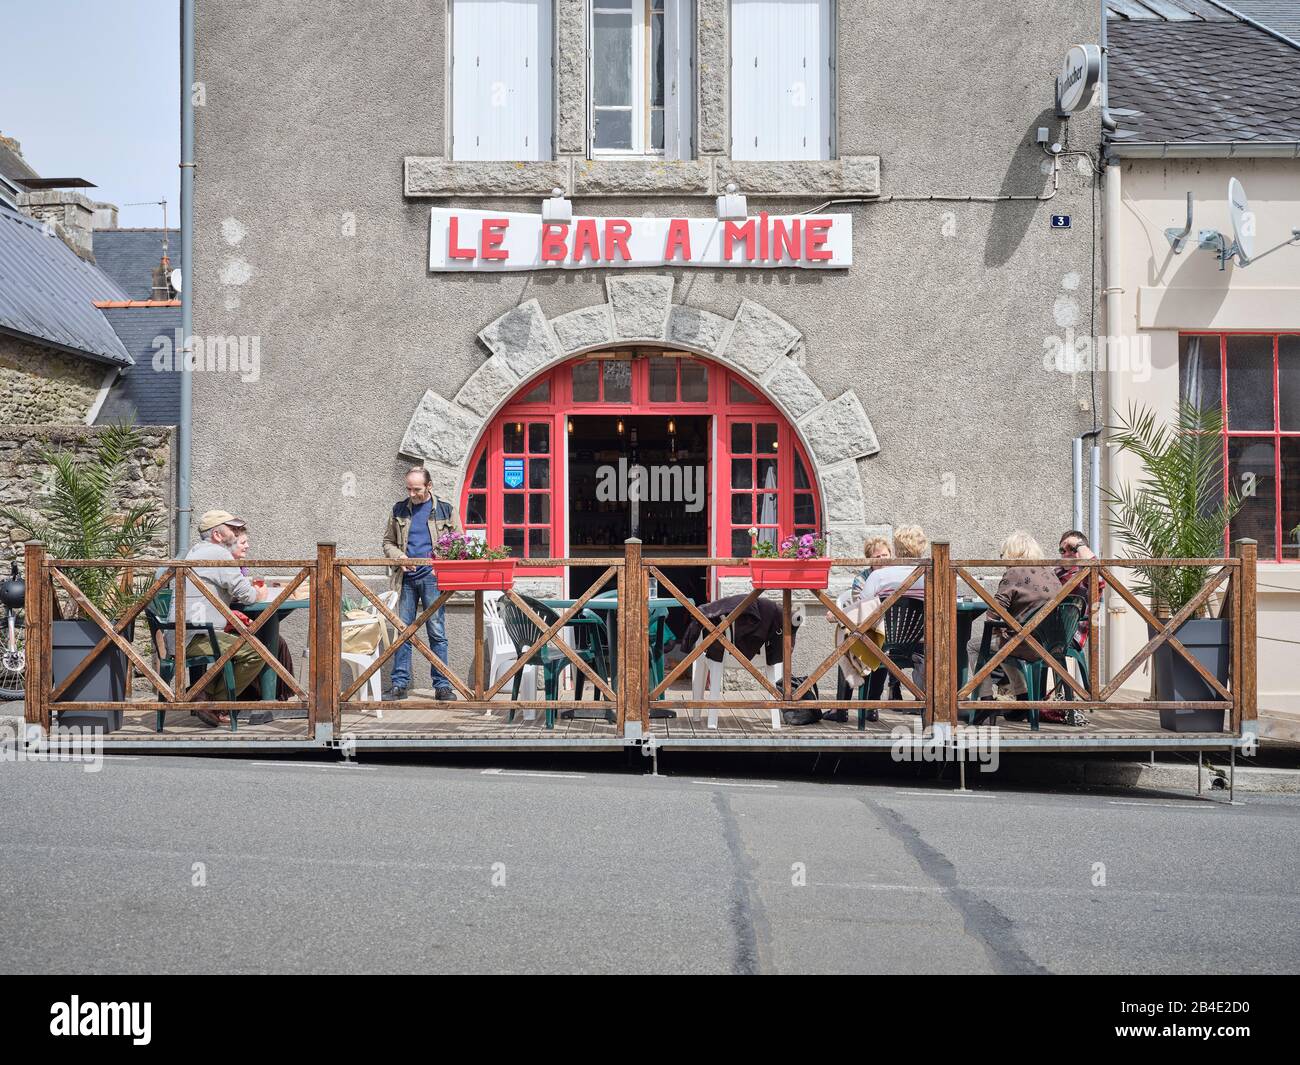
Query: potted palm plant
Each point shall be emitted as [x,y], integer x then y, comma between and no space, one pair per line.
[80,518]
[1178,509]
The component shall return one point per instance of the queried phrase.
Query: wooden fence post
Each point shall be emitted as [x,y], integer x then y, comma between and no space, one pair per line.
[941,639]
[36,647]
[323,714]
[633,711]
[1245,704]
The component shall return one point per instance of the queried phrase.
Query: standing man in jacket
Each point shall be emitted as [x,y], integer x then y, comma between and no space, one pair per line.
[415,524]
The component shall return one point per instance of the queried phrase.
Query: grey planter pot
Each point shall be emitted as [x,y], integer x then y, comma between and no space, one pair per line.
[1210,642]
[103,681]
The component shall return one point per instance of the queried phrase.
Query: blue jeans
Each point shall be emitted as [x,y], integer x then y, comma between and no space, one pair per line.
[417,594]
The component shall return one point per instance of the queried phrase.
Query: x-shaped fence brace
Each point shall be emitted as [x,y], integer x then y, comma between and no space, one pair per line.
[177,693]
[409,634]
[862,631]
[1165,633]
[1022,634]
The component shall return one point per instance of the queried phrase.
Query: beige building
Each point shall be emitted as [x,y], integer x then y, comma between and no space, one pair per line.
[1199,101]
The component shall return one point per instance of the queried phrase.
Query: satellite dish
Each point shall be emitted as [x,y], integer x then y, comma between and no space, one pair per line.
[1076,88]
[1243,222]
[174,279]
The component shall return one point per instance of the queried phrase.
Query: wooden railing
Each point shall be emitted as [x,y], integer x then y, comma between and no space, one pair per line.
[624,694]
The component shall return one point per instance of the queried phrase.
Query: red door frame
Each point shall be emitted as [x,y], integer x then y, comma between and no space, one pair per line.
[559,404]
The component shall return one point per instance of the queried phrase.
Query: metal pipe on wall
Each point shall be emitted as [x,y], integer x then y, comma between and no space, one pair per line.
[184,430]
[1076,470]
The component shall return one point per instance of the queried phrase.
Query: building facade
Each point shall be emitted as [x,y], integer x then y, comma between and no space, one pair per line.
[1207,97]
[909,386]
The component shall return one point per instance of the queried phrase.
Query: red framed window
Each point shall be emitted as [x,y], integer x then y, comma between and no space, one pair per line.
[516,491]
[1254,378]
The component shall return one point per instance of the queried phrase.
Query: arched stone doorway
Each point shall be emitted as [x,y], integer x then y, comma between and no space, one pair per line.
[757,350]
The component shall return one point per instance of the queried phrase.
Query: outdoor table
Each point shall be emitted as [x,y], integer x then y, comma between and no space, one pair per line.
[269,634]
[968,609]
[608,605]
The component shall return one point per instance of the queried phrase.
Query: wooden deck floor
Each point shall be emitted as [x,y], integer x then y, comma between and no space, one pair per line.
[1128,721]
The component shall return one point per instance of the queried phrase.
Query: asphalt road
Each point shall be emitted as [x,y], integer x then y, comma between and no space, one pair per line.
[168,864]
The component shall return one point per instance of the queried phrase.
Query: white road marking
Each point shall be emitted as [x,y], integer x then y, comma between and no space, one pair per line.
[960,794]
[527,773]
[1191,804]
[318,765]
[732,784]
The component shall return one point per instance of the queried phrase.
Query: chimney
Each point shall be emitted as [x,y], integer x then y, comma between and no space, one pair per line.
[70,214]
[162,285]
[105,216]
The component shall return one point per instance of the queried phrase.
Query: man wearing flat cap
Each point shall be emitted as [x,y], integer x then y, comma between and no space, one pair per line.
[218,531]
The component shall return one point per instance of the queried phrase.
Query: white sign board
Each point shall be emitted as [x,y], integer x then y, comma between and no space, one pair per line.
[1077,86]
[504,241]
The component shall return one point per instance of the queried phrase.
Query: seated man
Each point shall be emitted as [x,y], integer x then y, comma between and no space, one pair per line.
[219,532]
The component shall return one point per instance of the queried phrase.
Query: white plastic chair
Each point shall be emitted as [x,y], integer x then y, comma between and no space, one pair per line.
[706,677]
[357,662]
[501,653]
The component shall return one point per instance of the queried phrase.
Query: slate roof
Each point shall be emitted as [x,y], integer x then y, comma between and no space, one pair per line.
[1280,15]
[48,293]
[1203,80]
[129,256]
[149,396]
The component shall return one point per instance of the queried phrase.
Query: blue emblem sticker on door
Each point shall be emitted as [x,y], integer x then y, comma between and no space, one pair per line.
[514,473]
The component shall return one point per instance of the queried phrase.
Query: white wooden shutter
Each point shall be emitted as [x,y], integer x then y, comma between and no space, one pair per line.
[679,79]
[501,79]
[781,79]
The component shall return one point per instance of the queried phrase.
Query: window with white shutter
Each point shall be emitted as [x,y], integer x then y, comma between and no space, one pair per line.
[501,79]
[642,97]
[782,61]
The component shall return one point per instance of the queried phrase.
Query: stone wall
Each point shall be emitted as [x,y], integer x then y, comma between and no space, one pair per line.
[40,386]
[23,474]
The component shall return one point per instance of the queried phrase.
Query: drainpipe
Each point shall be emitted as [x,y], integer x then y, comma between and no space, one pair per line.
[1114,327]
[184,430]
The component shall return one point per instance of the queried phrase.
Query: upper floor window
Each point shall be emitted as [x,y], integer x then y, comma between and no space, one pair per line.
[642,78]
[782,66]
[501,79]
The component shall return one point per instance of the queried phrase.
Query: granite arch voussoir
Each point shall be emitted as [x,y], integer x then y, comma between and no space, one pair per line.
[761,345]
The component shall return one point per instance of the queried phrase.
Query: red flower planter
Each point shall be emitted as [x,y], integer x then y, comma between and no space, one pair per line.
[474,574]
[790,572]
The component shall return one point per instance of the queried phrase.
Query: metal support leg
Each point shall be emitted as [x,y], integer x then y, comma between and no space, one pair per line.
[962,762]
[1199,757]
[1232,771]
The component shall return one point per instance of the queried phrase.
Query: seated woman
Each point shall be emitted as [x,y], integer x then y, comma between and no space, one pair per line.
[909,542]
[1021,592]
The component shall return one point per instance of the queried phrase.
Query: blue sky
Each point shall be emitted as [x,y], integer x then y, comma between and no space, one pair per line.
[90,88]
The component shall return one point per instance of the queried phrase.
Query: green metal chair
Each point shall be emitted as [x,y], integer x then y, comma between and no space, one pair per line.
[1056,634]
[904,643]
[196,665]
[523,632]
[1073,652]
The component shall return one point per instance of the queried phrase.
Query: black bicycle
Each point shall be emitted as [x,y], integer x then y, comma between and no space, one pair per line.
[13,659]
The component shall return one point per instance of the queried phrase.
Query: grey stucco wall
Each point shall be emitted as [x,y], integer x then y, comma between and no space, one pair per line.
[303,237]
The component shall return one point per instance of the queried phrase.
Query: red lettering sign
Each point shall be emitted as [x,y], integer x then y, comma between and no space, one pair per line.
[617,230]
[732,231]
[454,250]
[679,240]
[494,234]
[586,240]
[816,233]
[554,241]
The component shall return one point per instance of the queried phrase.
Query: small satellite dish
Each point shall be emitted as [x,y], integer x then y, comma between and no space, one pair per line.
[174,279]
[1243,222]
